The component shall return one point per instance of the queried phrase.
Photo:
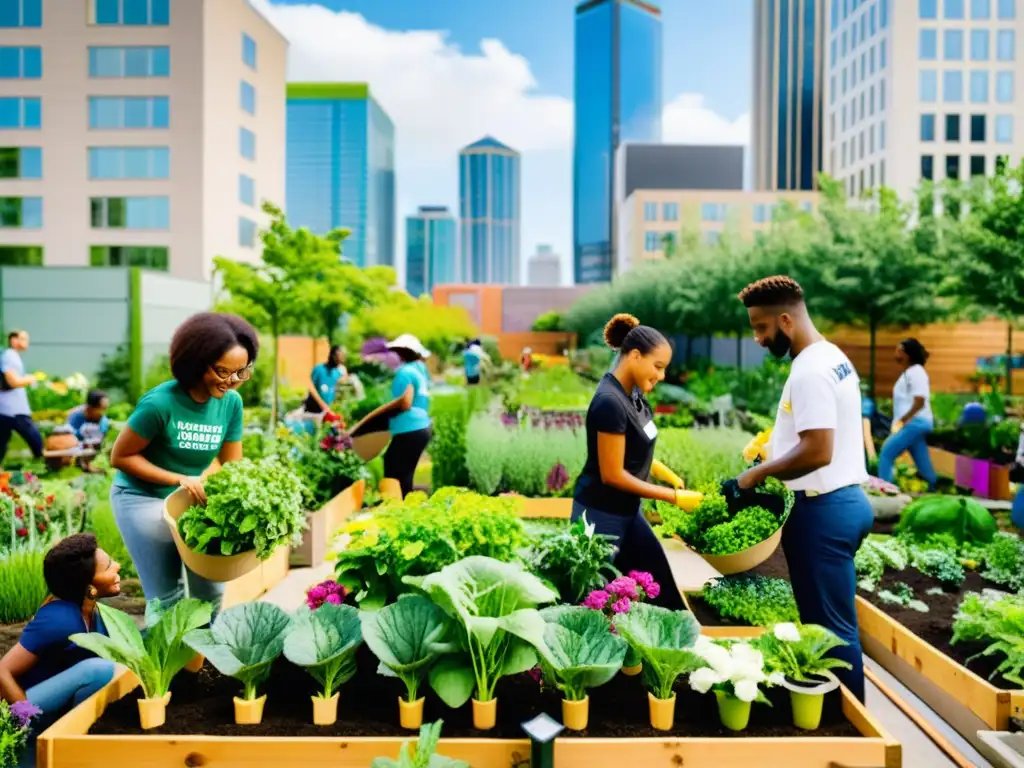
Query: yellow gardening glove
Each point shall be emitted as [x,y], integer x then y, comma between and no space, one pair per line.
[757,448]
[660,472]
[897,426]
[688,500]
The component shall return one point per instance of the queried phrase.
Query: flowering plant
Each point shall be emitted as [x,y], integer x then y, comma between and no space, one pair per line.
[15,724]
[800,652]
[557,478]
[328,591]
[735,669]
[618,595]
[31,510]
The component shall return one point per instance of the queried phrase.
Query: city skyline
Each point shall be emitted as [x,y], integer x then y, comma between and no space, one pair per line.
[489,213]
[431,248]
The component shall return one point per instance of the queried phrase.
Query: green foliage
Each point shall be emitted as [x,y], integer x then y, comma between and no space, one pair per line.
[556,388]
[802,659]
[548,321]
[243,642]
[420,536]
[439,328]
[422,756]
[108,538]
[965,519]
[450,415]
[664,640]
[756,600]
[251,505]
[997,620]
[1004,561]
[579,651]
[158,657]
[902,594]
[324,642]
[324,461]
[22,587]
[876,555]
[574,561]
[702,456]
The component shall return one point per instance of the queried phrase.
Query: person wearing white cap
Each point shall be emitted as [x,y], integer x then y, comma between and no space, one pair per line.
[411,427]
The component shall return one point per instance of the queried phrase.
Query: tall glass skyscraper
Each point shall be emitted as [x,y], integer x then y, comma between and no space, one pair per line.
[489,209]
[429,249]
[340,168]
[789,66]
[618,99]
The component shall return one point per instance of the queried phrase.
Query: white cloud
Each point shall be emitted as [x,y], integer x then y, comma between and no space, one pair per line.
[442,98]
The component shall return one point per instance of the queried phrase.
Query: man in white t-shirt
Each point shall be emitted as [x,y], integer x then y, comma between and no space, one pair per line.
[817,449]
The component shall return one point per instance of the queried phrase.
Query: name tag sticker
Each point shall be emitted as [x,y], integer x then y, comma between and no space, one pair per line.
[651,430]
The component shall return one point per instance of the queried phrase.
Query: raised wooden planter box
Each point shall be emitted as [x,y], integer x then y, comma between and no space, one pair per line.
[726,630]
[985,478]
[66,744]
[324,522]
[546,508]
[261,579]
[965,700]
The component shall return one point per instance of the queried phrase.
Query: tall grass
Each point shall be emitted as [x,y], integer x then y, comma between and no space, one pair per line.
[702,456]
[108,538]
[22,588]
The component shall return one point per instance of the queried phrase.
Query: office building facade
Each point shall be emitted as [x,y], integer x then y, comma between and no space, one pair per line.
[923,90]
[489,213]
[138,132]
[544,269]
[618,98]
[430,249]
[788,93]
[341,168]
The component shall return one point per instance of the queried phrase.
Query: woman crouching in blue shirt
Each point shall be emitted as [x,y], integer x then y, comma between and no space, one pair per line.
[410,427]
[45,667]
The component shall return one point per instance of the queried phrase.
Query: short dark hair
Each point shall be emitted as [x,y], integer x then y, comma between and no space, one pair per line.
[12,335]
[202,339]
[915,351]
[330,355]
[70,566]
[407,355]
[624,333]
[95,397]
[775,291]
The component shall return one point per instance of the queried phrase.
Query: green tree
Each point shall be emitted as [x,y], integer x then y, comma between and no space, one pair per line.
[988,248]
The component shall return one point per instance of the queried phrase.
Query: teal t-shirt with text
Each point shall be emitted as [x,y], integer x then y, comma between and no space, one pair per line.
[418,416]
[185,436]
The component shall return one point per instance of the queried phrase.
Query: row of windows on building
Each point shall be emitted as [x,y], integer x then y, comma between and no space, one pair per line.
[761,212]
[977,165]
[869,65]
[953,48]
[953,87]
[977,130]
[872,20]
[143,13]
[860,146]
[151,256]
[868,101]
[957,10]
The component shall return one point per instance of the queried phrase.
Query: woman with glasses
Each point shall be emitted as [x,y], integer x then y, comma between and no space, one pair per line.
[174,434]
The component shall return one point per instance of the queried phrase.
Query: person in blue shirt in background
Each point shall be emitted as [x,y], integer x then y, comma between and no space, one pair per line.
[44,666]
[472,359]
[90,423]
[323,383]
[411,426]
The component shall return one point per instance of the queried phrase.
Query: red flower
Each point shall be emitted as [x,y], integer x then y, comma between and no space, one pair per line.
[41,527]
[19,512]
[49,499]
[22,531]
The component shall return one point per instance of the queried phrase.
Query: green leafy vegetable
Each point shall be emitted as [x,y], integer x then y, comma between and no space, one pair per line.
[243,642]
[1004,561]
[579,650]
[422,755]
[759,601]
[877,554]
[495,604]
[251,505]
[902,594]
[964,519]
[574,561]
[408,636]
[664,639]
[800,652]
[158,657]
[999,621]
[324,642]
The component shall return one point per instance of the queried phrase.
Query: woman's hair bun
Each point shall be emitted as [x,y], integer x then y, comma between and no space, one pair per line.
[616,330]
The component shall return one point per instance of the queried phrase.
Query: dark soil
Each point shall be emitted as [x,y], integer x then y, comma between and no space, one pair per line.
[936,626]
[368,706]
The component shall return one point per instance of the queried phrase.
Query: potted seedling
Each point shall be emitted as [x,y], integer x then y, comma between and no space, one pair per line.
[422,755]
[243,643]
[155,659]
[733,670]
[495,606]
[324,643]
[616,597]
[408,636]
[579,652]
[799,654]
[665,641]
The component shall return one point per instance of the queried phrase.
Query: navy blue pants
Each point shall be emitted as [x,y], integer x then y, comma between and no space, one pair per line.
[820,539]
[639,550]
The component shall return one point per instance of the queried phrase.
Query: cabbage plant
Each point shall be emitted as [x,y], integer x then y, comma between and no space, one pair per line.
[243,642]
[407,637]
[324,643]
[495,605]
[665,641]
[579,650]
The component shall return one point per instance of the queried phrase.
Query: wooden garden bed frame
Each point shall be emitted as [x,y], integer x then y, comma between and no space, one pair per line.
[965,700]
[723,630]
[66,744]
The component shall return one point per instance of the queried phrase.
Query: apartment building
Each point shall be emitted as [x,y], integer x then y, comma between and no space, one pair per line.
[922,90]
[653,219]
[138,132]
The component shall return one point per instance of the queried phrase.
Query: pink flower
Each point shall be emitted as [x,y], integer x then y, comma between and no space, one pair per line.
[319,592]
[334,598]
[623,587]
[535,673]
[652,590]
[597,600]
[646,582]
[621,605]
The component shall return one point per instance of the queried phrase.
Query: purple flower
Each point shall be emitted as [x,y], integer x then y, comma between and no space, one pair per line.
[621,605]
[597,600]
[334,598]
[623,587]
[646,582]
[652,590]
[24,711]
[328,591]
[319,592]
[535,673]
[558,478]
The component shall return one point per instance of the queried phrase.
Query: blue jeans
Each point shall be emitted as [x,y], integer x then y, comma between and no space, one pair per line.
[820,538]
[913,438]
[62,692]
[639,550]
[1017,512]
[140,519]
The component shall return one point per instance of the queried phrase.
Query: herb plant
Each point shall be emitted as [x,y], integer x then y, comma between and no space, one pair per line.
[1004,561]
[574,561]
[800,652]
[759,601]
[422,755]
[251,505]
[997,620]
[664,640]
[902,594]
[243,642]
[579,651]
[158,657]
[15,727]
[324,642]
[408,637]
[877,554]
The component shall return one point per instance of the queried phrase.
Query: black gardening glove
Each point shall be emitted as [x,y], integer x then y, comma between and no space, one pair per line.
[736,498]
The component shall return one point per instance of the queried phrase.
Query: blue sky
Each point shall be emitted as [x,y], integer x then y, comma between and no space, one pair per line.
[506,69]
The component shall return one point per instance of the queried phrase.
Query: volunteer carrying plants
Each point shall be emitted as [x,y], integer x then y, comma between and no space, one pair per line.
[174,434]
[912,412]
[620,455]
[817,449]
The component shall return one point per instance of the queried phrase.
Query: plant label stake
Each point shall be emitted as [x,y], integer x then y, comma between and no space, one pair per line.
[542,731]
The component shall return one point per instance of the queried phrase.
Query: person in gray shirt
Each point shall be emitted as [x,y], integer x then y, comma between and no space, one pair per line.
[15,414]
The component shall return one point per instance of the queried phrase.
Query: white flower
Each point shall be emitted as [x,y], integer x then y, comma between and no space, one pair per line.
[776,678]
[718,658]
[787,631]
[702,679]
[745,690]
[747,654]
[588,528]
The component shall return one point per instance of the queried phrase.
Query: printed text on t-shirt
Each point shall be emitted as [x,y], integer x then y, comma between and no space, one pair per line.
[199,437]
